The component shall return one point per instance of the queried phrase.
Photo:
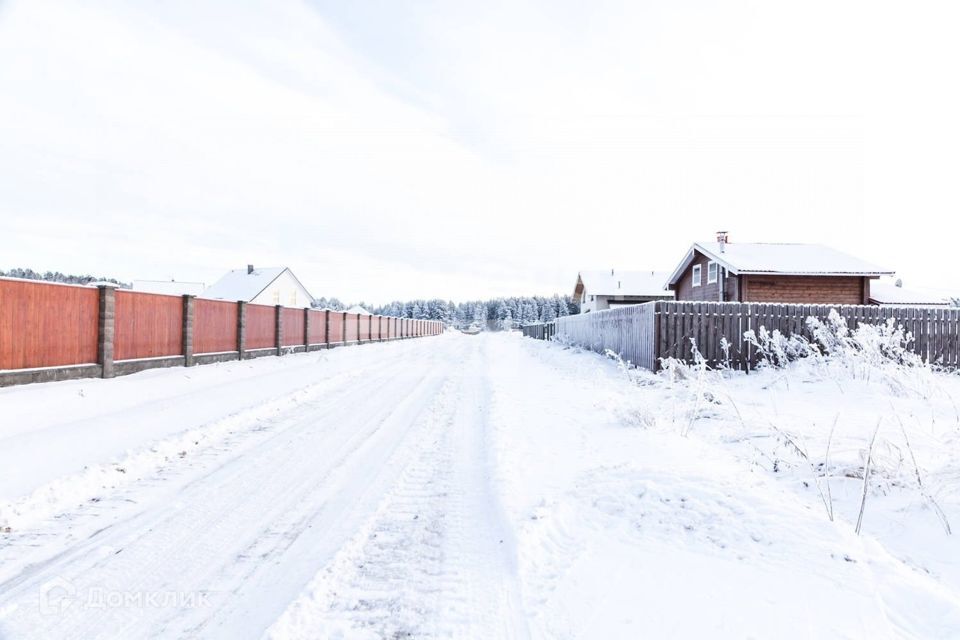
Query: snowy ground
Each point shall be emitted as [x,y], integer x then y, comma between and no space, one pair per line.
[478,487]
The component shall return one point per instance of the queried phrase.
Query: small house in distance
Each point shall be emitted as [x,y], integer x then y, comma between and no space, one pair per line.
[598,290]
[265,285]
[772,272]
[893,294]
[169,287]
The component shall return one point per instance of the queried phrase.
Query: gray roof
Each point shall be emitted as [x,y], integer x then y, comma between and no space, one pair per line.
[781,259]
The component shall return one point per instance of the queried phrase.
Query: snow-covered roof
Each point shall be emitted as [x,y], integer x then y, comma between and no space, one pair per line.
[238,284]
[611,282]
[890,293]
[359,310]
[169,287]
[780,258]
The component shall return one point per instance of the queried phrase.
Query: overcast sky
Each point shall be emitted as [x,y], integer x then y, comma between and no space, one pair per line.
[465,150]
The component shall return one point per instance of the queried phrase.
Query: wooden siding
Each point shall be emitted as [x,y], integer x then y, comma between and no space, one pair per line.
[261,326]
[214,326]
[47,325]
[147,325]
[351,327]
[685,289]
[804,289]
[318,327]
[293,327]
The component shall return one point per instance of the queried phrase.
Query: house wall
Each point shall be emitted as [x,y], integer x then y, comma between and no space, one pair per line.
[806,289]
[685,289]
[284,290]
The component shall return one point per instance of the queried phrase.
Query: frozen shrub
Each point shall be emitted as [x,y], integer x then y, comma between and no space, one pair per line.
[778,350]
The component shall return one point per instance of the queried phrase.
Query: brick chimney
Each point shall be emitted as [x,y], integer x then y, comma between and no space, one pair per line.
[249,269]
[722,240]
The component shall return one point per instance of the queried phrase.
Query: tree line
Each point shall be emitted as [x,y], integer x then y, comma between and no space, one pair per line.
[497,313]
[56,276]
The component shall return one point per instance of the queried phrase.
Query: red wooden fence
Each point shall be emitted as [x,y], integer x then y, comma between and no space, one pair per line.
[147,325]
[336,327]
[214,326]
[351,327]
[318,327]
[261,326]
[292,327]
[47,325]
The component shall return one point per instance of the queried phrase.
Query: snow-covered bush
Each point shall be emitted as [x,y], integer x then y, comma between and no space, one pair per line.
[778,350]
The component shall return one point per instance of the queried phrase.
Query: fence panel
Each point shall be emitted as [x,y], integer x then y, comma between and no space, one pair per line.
[147,325]
[293,328]
[318,327]
[214,326]
[261,326]
[351,329]
[47,325]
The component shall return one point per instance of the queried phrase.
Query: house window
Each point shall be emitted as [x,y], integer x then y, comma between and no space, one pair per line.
[696,274]
[276,297]
[712,272]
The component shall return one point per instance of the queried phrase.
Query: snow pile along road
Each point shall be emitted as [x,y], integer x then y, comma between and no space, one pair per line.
[479,487]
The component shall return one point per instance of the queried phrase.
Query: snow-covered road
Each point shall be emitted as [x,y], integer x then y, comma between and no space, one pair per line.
[478,487]
[372,488]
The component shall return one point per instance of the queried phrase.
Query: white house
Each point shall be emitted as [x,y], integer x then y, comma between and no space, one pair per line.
[598,290]
[169,287]
[265,285]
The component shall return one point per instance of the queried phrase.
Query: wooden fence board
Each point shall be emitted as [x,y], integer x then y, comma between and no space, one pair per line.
[47,325]
[147,325]
[214,326]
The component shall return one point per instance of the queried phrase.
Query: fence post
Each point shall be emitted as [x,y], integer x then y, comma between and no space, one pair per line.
[241,328]
[306,328]
[279,330]
[188,306]
[326,327]
[105,329]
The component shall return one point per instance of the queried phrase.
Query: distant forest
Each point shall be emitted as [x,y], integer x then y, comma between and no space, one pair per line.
[499,313]
[56,276]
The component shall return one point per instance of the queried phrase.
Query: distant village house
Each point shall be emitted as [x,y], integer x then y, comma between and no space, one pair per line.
[598,290]
[265,285]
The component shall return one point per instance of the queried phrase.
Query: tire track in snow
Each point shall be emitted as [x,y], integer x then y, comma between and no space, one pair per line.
[260,523]
[434,561]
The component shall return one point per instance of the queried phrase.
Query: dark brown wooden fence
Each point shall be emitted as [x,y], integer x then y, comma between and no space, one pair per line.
[643,334]
[52,331]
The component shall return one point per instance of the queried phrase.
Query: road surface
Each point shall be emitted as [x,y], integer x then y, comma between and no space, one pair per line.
[363,505]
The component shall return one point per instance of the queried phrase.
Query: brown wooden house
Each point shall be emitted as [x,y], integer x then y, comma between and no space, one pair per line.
[772,272]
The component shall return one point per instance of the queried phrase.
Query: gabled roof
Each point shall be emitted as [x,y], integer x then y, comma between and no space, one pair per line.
[238,284]
[781,259]
[359,310]
[622,283]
